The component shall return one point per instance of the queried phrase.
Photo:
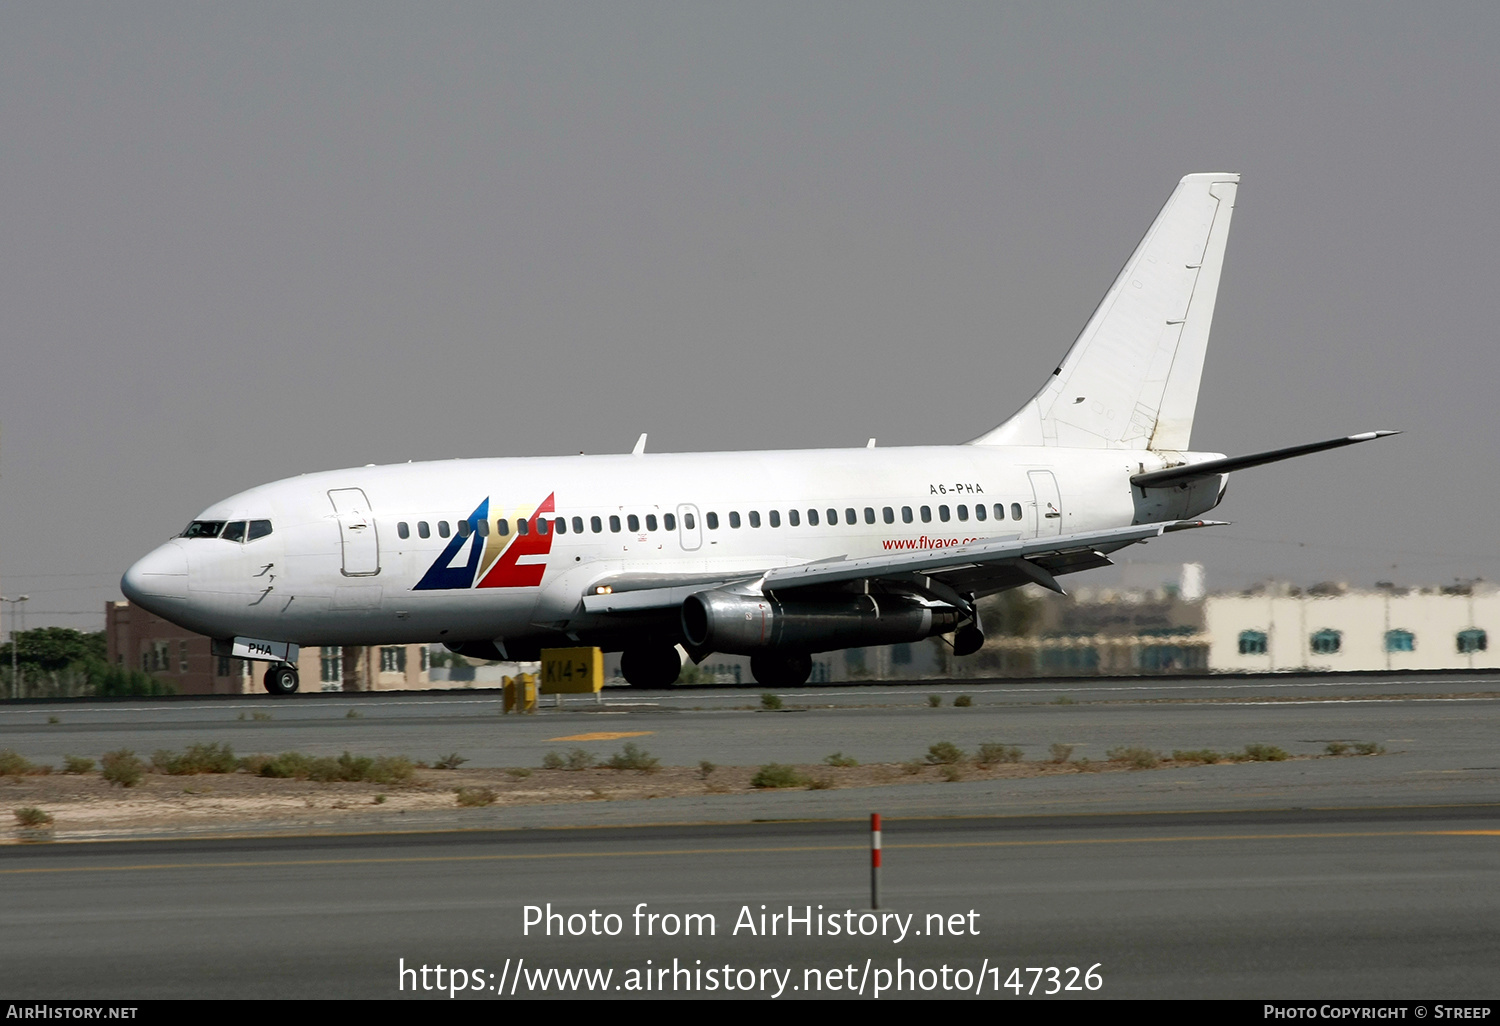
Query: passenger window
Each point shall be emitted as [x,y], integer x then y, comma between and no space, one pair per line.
[999,511]
[943,514]
[484,528]
[906,514]
[541,525]
[442,528]
[833,517]
[734,518]
[978,512]
[234,531]
[755,518]
[963,513]
[1015,511]
[812,518]
[869,514]
[634,523]
[523,527]
[560,525]
[423,531]
[851,517]
[578,525]
[888,515]
[465,528]
[793,518]
[614,524]
[926,514]
[775,516]
[712,519]
[650,521]
[669,521]
[402,531]
[503,526]
[687,520]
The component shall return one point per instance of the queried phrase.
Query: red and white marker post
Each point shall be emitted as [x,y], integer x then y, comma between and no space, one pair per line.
[874,860]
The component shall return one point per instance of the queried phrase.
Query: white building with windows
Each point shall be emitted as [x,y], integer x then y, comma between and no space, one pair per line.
[1332,628]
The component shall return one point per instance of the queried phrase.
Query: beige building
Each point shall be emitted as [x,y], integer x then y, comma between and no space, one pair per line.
[134,637]
[1330,627]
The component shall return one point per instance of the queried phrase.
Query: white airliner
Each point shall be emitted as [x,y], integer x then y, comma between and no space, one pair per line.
[775,555]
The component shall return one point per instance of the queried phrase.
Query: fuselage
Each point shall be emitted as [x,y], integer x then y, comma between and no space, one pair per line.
[493,549]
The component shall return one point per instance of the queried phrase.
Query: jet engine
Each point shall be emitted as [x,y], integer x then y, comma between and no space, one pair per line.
[717,621]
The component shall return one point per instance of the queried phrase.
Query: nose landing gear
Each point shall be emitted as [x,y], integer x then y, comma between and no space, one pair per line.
[281,679]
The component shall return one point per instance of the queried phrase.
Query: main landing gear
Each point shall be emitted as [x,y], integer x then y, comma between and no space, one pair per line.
[781,670]
[651,666]
[281,679]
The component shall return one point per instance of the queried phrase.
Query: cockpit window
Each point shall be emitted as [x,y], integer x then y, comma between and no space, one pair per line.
[258,529]
[234,532]
[203,529]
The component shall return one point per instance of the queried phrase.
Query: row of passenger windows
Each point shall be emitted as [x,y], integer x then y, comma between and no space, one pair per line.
[668,521]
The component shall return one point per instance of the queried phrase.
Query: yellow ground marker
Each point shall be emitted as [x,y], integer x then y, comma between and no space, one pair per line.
[603,735]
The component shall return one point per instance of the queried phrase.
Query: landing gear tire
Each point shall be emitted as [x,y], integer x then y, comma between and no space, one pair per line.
[967,640]
[281,679]
[781,671]
[651,666]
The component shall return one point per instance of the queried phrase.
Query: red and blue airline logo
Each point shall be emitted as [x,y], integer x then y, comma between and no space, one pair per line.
[493,560]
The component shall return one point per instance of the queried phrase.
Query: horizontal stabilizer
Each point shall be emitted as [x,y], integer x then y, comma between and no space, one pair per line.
[1198,471]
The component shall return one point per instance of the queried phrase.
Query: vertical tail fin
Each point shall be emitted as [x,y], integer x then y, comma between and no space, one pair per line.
[1131,379]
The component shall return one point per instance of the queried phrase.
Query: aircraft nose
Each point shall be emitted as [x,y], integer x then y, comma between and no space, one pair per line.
[157,580]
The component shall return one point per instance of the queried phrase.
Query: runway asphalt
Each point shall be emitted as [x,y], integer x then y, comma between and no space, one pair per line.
[1394,903]
[1362,877]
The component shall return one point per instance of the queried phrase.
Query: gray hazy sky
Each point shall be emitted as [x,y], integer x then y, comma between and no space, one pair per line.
[243,241]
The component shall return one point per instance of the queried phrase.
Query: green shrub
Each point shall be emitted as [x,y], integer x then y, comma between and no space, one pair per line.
[471,797]
[1336,748]
[776,775]
[553,760]
[1368,748]
[933,701]
[706,769]
[1200,755]
[13,764]
[451,761]
[77,764]
[518,773]
[840,759]
[1264,753]
[819,784]
[989,754]
[1063,700]
[1135,758]
[53,719]
[963,701]
[30,817]
[914,767]
[352,714]
[200,758]
[952,774]
[122,767]
[579,759]
[325,769]
[770,700]
[125,682]
[945,753]
[1060,753]
[633,758]
[260,717]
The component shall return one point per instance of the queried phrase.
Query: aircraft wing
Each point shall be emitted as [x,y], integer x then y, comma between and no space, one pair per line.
[980,568]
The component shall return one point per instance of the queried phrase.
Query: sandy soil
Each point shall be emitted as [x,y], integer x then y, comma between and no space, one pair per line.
[85,806]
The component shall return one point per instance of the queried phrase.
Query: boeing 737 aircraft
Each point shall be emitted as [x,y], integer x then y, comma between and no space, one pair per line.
[775,555]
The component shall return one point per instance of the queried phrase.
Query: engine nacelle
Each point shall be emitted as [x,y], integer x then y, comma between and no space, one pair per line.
[717,621]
